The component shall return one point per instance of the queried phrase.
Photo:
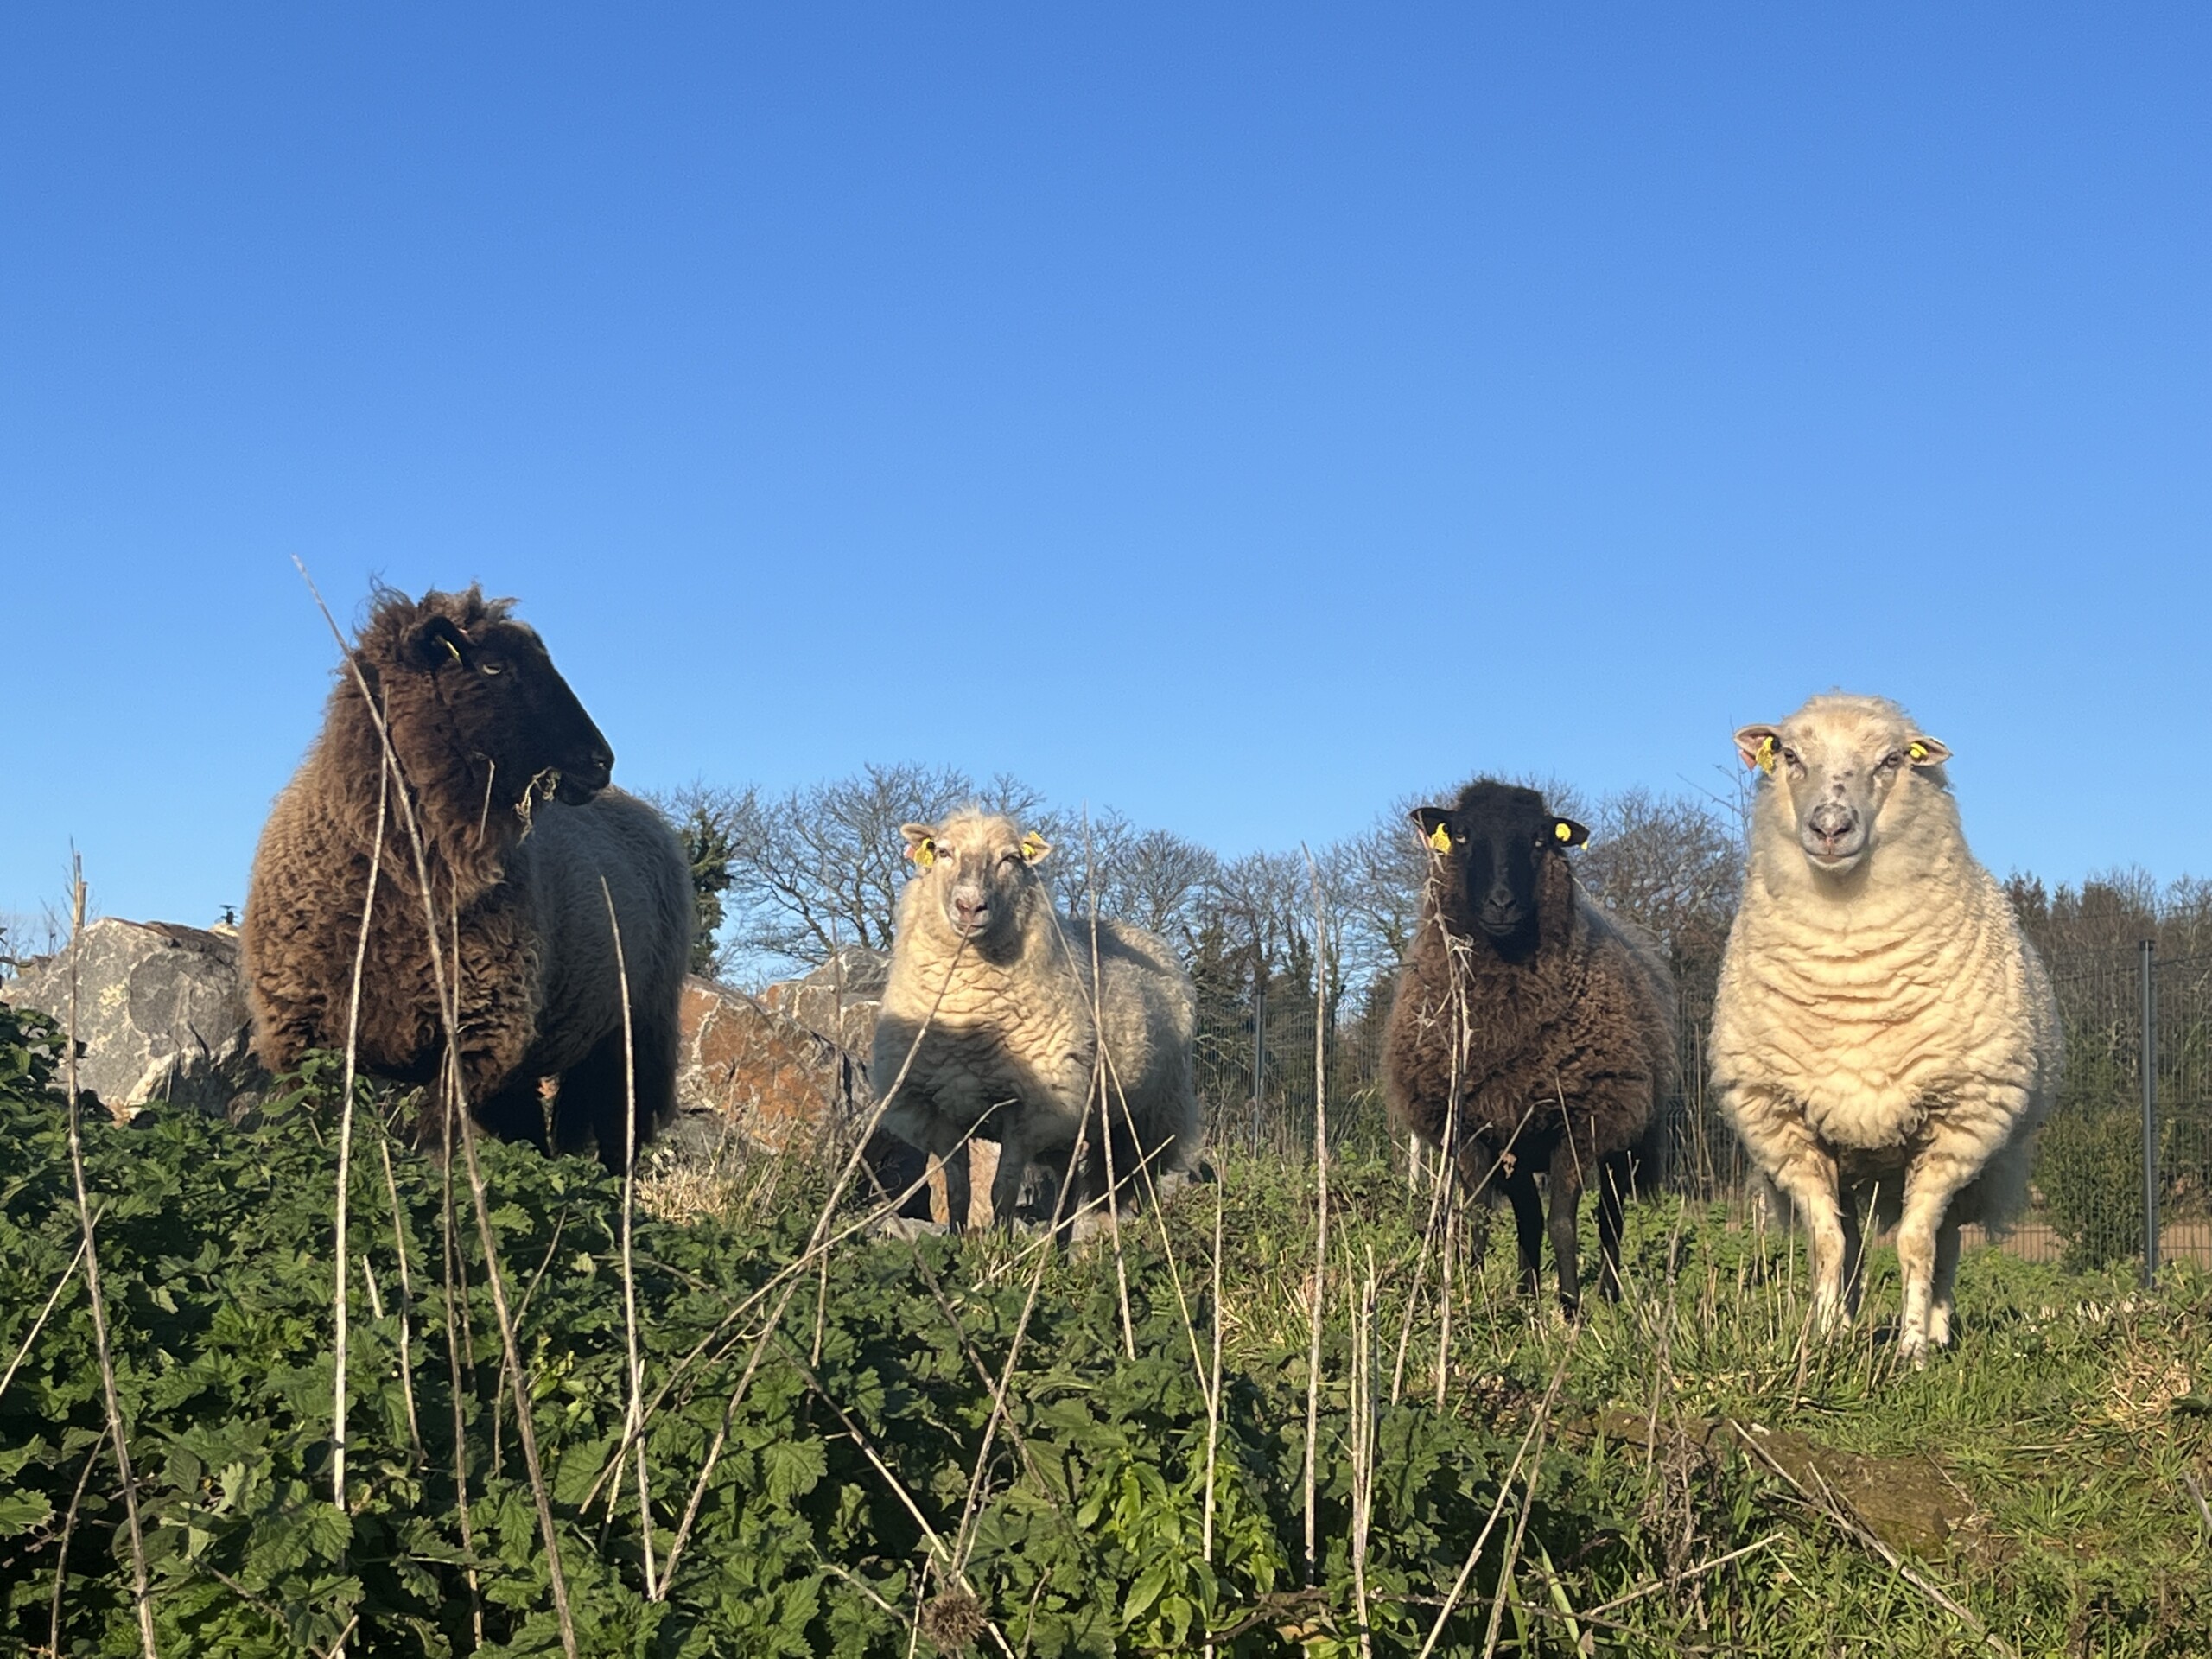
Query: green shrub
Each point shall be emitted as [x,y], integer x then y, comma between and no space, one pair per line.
[215,1249]
[2088,1170]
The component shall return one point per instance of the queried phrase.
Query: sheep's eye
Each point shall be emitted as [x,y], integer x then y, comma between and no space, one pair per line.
[489,666]
[1892,760]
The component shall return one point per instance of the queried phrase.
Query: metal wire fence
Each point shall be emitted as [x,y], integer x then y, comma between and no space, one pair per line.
[2092,1199]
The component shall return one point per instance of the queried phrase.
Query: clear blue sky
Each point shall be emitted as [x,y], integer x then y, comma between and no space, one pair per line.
[1235,415]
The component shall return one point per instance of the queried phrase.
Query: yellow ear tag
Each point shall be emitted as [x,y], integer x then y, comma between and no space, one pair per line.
[1918,752]
[1033,847]
[924,853]
[1764,759]
[450,646]
[1563,830]
[1441,838]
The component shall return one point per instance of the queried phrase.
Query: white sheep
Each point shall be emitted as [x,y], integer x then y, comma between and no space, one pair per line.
[998,990]
[1880,1022]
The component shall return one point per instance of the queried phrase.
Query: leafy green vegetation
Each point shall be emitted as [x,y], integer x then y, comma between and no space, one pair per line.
[1651,1481]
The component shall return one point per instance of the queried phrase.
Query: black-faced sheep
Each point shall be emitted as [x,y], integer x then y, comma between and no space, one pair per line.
[508,777]
[999,991]
[1881,1022]
[1531,1032]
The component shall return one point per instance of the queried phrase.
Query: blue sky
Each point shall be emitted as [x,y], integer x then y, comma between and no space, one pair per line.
[1236,416]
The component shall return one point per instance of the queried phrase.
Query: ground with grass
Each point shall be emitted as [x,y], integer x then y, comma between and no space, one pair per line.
[855,1444]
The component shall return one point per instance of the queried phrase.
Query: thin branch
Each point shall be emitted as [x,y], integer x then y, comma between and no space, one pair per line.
[141,1590]
[39,1324]
[635,1421]
[341,1274]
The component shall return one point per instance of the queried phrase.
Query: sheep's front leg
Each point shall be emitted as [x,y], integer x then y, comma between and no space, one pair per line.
[1855,1257]
[959,1187]
[1927,1189]
[1807,1177]
[1946,1276]
[1928,1254]
[1528,1225]
[1016,1150]
[1566,1178]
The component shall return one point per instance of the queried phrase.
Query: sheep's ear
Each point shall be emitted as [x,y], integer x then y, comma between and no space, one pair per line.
[1760,746]
[1565,832]
[921,843]
[1034,847]
[432,643]
[1925,751]
[1436,826]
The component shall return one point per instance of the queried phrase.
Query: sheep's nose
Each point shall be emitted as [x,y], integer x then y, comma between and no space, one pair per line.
[597,767]
[1830,820]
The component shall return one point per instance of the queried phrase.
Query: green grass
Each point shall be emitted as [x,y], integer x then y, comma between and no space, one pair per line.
[2035,1476]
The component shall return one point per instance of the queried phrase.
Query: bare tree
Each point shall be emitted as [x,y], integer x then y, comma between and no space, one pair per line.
[1153,878]
[1671,863]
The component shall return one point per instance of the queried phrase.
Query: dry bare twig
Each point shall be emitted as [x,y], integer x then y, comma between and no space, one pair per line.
[141,1590]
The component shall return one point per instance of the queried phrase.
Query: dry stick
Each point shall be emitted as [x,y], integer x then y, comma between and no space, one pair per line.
[788,1277]
[1107,1081]
[141,1592]
[785,1279]
[1362,1443]
[449,1009]
[635,1420]
[1447,1175]
[1504,1491]
[971,1511]
[460,1380]
[61,1556]
[39,1324]
[406,1302]
[1166,1238]
[1320,1211]
[1513,1548]
[947,1565]
[456,1289]
[2197,1494]
[1213,1388]
[1697,1571]
[1098,1087]
[518,1376]
[341,1274]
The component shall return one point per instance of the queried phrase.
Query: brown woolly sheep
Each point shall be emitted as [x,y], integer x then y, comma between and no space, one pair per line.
[508,777]
[1531,1030]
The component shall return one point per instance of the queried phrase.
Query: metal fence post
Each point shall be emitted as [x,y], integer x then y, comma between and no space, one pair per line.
[2150,1117]
[1259,1050]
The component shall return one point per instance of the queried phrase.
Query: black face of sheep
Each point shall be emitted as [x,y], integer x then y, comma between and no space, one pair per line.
[1489,848]
[499,687]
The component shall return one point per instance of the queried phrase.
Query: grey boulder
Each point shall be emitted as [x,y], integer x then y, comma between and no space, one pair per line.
[160,1013]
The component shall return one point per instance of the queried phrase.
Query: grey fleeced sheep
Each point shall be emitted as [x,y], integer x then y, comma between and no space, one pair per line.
[1881,1022]
[991,994]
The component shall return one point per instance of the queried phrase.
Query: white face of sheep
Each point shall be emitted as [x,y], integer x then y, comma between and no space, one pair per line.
[983,870]
[1838,766]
